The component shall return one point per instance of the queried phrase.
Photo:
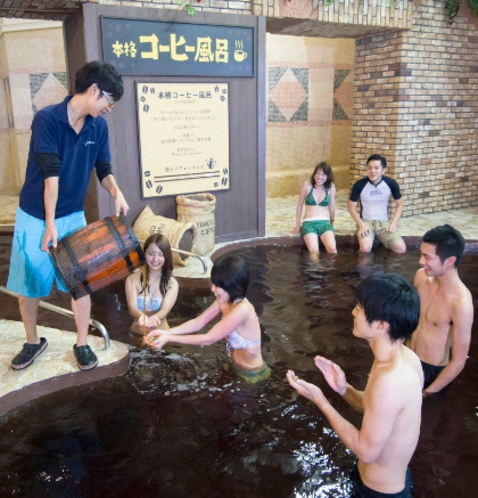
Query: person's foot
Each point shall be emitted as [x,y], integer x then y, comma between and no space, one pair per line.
[28,354]
[85,357]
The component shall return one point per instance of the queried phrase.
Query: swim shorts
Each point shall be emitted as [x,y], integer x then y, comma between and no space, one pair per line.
[315,226]
[359,490]
[31,271]
[254,375]
[430,373]
[379,228]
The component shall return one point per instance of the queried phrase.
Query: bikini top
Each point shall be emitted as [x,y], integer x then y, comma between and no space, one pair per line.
[235,341]
[310,201]
[152,303]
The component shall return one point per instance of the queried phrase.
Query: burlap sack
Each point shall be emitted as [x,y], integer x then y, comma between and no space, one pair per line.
[199,209]
[180,235]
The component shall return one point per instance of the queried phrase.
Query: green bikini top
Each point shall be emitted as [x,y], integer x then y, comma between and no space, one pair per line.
[310,201]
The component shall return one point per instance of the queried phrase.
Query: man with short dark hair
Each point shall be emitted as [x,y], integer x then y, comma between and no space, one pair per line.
[68,139]
[443,336]
[386,314]
[374,192]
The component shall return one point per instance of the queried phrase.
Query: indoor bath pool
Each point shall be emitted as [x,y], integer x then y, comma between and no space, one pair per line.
[181,424]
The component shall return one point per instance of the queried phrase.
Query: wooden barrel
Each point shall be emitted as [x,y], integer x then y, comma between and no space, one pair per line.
[97,255]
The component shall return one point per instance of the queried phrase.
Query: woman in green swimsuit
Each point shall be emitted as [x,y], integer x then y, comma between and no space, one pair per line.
[318,196]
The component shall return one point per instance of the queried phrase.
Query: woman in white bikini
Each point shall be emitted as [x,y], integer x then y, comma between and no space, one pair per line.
[239,324]
[318,196]
[152,291]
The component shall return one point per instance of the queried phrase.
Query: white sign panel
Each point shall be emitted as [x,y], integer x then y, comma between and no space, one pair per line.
[184,137]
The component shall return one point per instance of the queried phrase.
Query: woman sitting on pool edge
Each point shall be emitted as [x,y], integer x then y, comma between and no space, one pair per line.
[318,195]
[239,324]
[152,291]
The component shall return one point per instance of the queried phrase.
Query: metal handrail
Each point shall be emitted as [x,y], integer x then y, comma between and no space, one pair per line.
[63,311]
[204,264]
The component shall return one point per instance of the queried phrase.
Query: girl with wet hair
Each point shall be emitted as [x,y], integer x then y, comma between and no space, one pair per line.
[239,324]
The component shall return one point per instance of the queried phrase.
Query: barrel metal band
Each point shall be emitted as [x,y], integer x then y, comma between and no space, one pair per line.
[78,270]
[132,235]
[119,242]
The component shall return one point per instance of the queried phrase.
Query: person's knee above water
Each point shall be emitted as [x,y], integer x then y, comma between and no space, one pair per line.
[374,192]
[151,292]
[68,140]
[318,196]
[239,324]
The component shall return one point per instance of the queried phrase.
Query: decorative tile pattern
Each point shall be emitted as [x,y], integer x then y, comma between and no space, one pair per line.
[288,94]
[47,88]
[342,106]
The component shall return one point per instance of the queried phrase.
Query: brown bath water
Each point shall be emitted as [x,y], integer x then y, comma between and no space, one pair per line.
[180,424]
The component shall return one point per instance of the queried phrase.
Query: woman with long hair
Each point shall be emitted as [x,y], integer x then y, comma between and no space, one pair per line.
[152,291]
[318,196]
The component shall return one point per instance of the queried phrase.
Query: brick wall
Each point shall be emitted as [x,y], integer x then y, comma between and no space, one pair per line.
[415,101]
[219,6]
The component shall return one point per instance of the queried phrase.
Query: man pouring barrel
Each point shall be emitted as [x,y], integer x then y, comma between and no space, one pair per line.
[68,139]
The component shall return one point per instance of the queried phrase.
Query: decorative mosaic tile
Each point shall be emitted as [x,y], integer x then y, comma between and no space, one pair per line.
[340,75]
[288,94]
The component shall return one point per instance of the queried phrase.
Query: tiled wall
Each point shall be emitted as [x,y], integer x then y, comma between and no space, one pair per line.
[416,101]
[309,112]
[32,75]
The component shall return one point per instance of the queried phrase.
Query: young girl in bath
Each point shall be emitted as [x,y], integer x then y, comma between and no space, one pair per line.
[239,324]
[318,195]
[152,291]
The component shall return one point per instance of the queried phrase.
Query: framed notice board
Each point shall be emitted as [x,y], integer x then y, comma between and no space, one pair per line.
[183,137]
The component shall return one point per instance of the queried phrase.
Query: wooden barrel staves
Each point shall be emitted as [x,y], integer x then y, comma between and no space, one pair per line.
[97,255]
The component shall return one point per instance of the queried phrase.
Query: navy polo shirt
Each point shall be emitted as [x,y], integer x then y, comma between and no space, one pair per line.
[52,133]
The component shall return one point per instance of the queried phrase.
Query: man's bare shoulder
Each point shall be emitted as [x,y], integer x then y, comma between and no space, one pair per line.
[396,380]
[462,299]
[420,278]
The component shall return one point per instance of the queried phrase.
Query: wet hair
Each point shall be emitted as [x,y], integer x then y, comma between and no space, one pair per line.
[327,170]
[393,299]
[231,274]
[101,73]
[167,271]
[378,157]
[448,241]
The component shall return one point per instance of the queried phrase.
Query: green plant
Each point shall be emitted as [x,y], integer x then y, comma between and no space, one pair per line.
[189,7]
[474,6]
[451,10]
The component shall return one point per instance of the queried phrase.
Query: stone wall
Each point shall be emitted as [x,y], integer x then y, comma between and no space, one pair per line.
[415,101]
[32,75]
[217,6]
[309,110]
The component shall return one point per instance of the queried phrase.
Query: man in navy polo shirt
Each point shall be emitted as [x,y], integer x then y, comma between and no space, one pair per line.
[374,192]
[68,139]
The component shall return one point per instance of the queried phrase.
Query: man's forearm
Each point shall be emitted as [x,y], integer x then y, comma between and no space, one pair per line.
[447,375]
[346,431]
[354,398]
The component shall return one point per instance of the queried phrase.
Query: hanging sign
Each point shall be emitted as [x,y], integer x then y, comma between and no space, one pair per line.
[137,47]
[184,137]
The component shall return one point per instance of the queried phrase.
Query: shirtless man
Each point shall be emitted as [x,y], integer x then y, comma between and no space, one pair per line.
[386,314]
[443,335]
